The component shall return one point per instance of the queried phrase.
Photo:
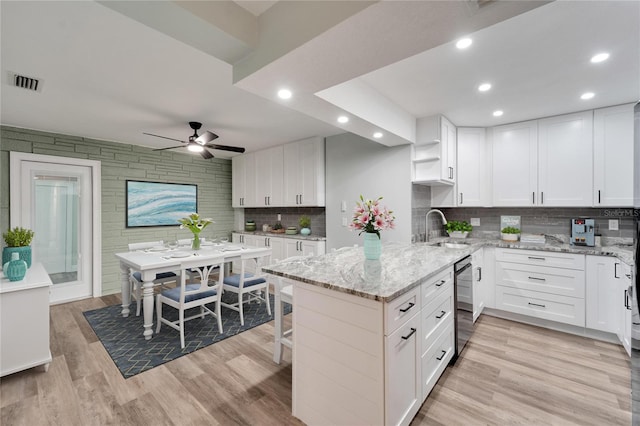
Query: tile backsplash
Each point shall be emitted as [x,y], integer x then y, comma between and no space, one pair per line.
[545,220]
[289,217]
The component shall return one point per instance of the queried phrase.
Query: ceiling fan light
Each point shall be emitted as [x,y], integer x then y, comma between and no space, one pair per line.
[194,147]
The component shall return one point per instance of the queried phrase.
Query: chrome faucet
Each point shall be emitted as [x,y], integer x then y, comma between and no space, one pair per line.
[444,221]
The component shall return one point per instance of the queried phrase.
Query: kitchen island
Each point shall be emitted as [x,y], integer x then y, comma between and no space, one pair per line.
[371,337]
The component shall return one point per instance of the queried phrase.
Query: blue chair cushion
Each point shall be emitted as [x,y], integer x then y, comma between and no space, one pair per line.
[174,293]
[162,275]
[234,280]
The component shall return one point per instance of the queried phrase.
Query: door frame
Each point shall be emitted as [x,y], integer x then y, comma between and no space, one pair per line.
[15,199]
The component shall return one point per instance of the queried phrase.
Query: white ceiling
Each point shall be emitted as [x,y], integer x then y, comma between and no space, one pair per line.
[114,74]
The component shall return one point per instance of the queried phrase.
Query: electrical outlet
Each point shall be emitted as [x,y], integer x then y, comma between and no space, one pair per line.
[613,224]
[475,221]
[344,221]
[279,216]
[343,206]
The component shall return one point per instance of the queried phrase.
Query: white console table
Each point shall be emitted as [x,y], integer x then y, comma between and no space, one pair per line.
[24,321]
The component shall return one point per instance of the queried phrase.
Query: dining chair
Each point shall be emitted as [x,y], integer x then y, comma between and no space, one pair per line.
[187,242]
[135,277]
[187,296]
[251,284]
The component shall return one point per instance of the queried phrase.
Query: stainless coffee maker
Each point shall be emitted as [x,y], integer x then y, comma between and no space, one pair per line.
[583,232]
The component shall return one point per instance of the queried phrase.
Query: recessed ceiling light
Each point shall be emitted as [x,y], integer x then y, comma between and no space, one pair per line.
[343,119]
[194,147]
[600,57]
[498,113]
[484,87]
[587,95]
[377,135]
[463,43]
[284,93]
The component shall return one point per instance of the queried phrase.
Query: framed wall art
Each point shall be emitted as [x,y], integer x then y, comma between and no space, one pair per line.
[159,203]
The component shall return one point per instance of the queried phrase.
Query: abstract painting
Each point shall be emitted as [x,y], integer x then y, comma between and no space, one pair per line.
[158,203]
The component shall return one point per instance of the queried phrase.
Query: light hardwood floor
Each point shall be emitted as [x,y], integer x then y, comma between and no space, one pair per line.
[509,374]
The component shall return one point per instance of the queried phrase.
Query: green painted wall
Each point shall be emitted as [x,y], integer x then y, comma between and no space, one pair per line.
[119,163]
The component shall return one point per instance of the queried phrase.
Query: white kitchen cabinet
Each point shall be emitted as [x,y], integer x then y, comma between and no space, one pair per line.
[515,164]
[243,180]
[613,159]
[269,177]
[304,173]
[24,321]
[276,244]
[472,181]
[603,294]
[477,284]
[624,276]
[434,153]
[565,160]
[295,247]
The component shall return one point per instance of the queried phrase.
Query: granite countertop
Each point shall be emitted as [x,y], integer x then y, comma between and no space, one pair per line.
[402,267]
[283,235]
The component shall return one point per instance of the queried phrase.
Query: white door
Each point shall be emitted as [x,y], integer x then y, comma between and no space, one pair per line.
[56,203]
[472,178]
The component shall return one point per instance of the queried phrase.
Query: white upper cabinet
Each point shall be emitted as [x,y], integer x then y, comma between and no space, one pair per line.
[565,160]
[515,164]
[434,153]
[243,180]
[473,168]
[613,156]
[304,173]
[269,173]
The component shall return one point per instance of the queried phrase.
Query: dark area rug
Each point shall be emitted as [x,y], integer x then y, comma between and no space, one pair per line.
[132,354]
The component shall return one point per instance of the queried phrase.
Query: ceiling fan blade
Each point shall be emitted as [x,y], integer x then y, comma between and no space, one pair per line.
[225,148]
[206,137]
[171,147]
[206,154]
[163,137]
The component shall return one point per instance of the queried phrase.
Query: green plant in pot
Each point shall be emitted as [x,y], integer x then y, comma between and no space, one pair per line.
[18,240]
[305,223]
[458,229]
[509,233]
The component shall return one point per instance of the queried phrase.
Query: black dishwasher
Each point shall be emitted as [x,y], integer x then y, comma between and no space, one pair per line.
[463,296]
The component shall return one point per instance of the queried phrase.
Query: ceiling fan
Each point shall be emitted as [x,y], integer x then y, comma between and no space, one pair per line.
[199,143]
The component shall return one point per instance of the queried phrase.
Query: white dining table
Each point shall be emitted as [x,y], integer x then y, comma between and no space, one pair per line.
[154,261]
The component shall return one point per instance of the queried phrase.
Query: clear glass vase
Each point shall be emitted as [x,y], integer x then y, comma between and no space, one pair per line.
[195,243]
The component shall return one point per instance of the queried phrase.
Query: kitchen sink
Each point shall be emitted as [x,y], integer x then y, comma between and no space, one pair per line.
[447,244]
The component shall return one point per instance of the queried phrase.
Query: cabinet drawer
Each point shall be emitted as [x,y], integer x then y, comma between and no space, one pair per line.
[436,358]
[437,315]
[541,258]
[401,309]
[565,282]
[547,306]
[433,286]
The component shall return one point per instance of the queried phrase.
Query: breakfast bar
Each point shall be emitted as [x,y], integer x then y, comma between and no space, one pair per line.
[373,337]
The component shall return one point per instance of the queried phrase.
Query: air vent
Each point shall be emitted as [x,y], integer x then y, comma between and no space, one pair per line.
[28,83]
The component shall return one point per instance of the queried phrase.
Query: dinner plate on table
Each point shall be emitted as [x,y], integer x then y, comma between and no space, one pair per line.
[178,255]
[231,249]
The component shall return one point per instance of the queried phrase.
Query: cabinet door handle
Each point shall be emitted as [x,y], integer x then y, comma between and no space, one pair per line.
[630,293]
[411,305]
[626,298]
[442,313]
[536,278]
[440,283]
[615,270]
[533,197]
[536,258]
[541,197]
[300,198]
[537,304]
[628,276]
[439,358]
[598,196]
[479,273]
[461,198]
[413,330]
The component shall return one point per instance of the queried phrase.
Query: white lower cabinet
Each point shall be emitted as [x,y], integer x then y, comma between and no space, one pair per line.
[625,289]
[603,294]
[370,362]
[553,293]
[281,247]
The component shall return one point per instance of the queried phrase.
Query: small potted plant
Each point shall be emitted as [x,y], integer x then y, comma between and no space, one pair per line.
[18,240]
[305,223]
[510,234]
[458,229]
